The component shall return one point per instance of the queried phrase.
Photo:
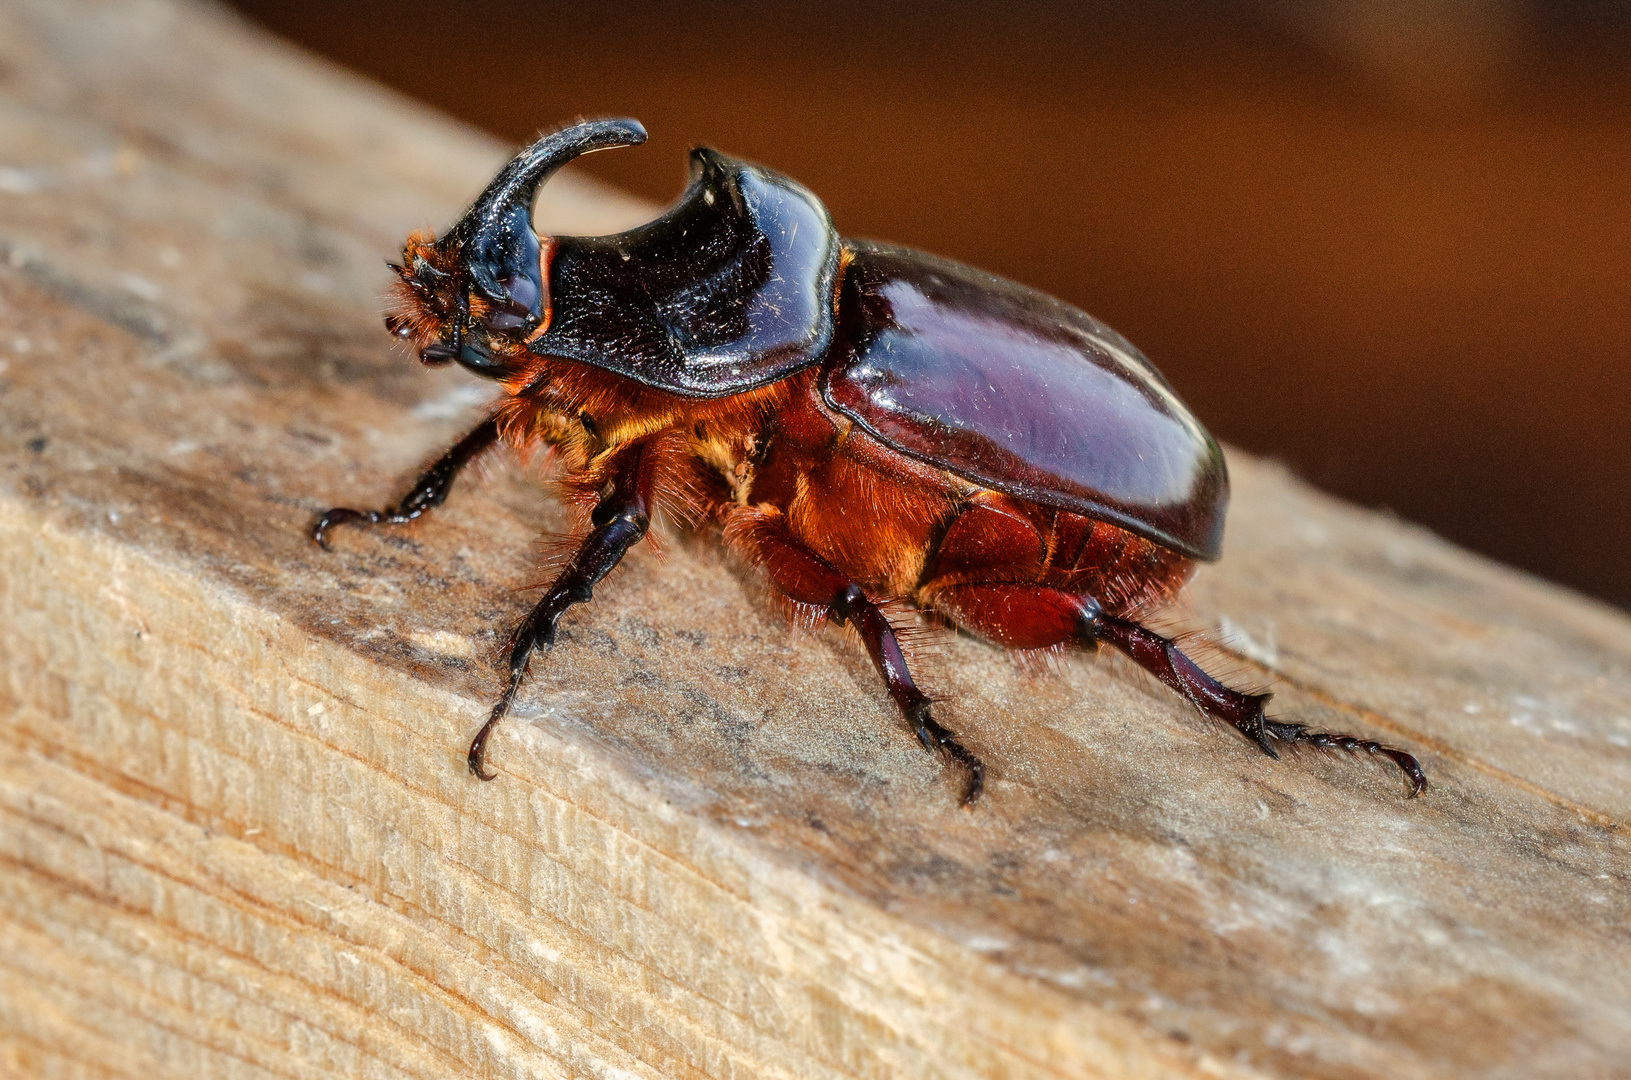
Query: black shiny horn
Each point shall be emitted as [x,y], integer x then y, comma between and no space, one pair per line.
[495,236]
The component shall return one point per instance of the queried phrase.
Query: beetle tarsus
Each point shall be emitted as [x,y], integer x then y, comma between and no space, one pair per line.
[428,492]
[339,515]
[478,746]
[1325,740]
[934,738]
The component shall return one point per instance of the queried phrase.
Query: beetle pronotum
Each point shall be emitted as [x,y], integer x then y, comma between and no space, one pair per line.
[863,421]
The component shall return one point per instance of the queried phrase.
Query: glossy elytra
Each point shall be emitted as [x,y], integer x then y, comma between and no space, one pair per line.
[864,422]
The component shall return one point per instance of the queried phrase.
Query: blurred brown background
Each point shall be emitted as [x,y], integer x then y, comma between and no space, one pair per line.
[1386,241]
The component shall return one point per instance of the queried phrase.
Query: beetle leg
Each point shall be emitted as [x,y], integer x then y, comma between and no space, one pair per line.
[1035,617]
[1161,658]
[809,580]
[852,606]
[619,521]
[429,491]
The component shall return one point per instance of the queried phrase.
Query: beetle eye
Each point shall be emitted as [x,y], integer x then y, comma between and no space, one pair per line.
[517,311]
[398,326]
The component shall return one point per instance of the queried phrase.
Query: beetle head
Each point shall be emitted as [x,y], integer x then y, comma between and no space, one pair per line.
[481,292]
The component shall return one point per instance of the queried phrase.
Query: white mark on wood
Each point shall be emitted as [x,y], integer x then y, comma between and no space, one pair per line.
[141,287]
[1312,532]
[15,181]
[456,402]
[443,643]
[983,944]
[1264,650]
[497,1039]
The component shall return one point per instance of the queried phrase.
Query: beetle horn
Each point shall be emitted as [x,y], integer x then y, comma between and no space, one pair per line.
[495,236]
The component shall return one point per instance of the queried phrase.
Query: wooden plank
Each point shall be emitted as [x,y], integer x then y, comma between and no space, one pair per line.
[239,839]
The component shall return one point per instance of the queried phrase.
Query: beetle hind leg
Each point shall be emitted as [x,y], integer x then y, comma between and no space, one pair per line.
[1159,656]
[1036,617]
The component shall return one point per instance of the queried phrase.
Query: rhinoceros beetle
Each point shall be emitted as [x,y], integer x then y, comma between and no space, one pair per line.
[864,422]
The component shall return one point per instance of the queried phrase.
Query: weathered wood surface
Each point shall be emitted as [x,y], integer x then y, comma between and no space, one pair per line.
[237,837]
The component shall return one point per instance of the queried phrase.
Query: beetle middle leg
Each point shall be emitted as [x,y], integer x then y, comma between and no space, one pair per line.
[619,521]
[809,580]
[1033,616]
[428,492]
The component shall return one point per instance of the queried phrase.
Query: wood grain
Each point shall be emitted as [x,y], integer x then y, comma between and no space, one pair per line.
[237,837]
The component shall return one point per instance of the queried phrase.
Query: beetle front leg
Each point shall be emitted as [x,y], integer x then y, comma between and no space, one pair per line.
[429,491]
[808,579]
[619,521]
